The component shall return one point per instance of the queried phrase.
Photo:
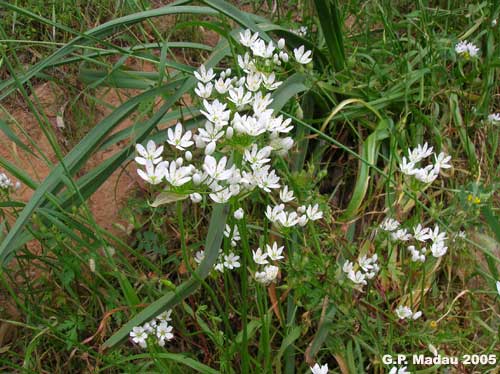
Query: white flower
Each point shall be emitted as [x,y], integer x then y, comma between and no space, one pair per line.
[357,277]
[494,118]
[150,153]
[274,252]
[406,167]
[347,267]
[139,336]
[273,214]
[261,103]
[153,175]
[438,249]
[401,234]
[204,75]
[389,224]
[239,97]
[260,49]
[288,219]
[317,369]
[177,176]
[259,257]
[222,86]
[417,255]
[253,81]
[165,316]
[442,162]
[302,57]
[222,196]
[217,170]
[279,126]
[204,91]
[246,63]
[419,153]
[231,261]
[269,81]
[403,312]
[178,140]
[427,174]
[199,257]
[232,234]
[313,212]
[437,236]
[247,39]
[286,195]
[164,332]
[421,233]
[216,112]
[268,275]
[248,125]
[210,133]
[239,214]
[257,158]
[396,370]
[466,49]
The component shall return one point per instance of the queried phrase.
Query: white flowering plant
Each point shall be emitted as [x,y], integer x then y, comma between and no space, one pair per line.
[304,193]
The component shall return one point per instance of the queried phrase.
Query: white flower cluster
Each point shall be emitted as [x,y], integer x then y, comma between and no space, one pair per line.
[7,184]
[396,370]
[494,118]
[366,268]
[238,140]
[158,328]
[466,49]
[429,173]
[319,369]
[405,312]
[301,31]
[270,271]
[282,218]
[238,115]
[420,234]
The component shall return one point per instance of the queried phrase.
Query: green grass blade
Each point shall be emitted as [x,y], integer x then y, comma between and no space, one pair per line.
[329,18]
[168,301]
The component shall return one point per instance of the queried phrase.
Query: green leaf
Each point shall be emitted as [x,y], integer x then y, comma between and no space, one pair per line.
[169,300]
[368,153]
[167,197]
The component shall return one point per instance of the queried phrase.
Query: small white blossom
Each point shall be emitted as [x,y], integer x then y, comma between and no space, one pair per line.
[153,174]
[313,212]
[239,213]
[317,369]
[302,57]
[259,257]
[286,195]
[139,336]
[204,91]
[389,224]
[494,118]
[231,261]
[150,153]
[466,49]
[177,139]
[274,252]
[204,75]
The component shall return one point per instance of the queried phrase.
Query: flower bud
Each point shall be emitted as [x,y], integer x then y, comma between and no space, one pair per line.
[229,132]
[281,43]
[196,179]
[210,148]
[179,161]
[238,214]
[188,155]
[195,197]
